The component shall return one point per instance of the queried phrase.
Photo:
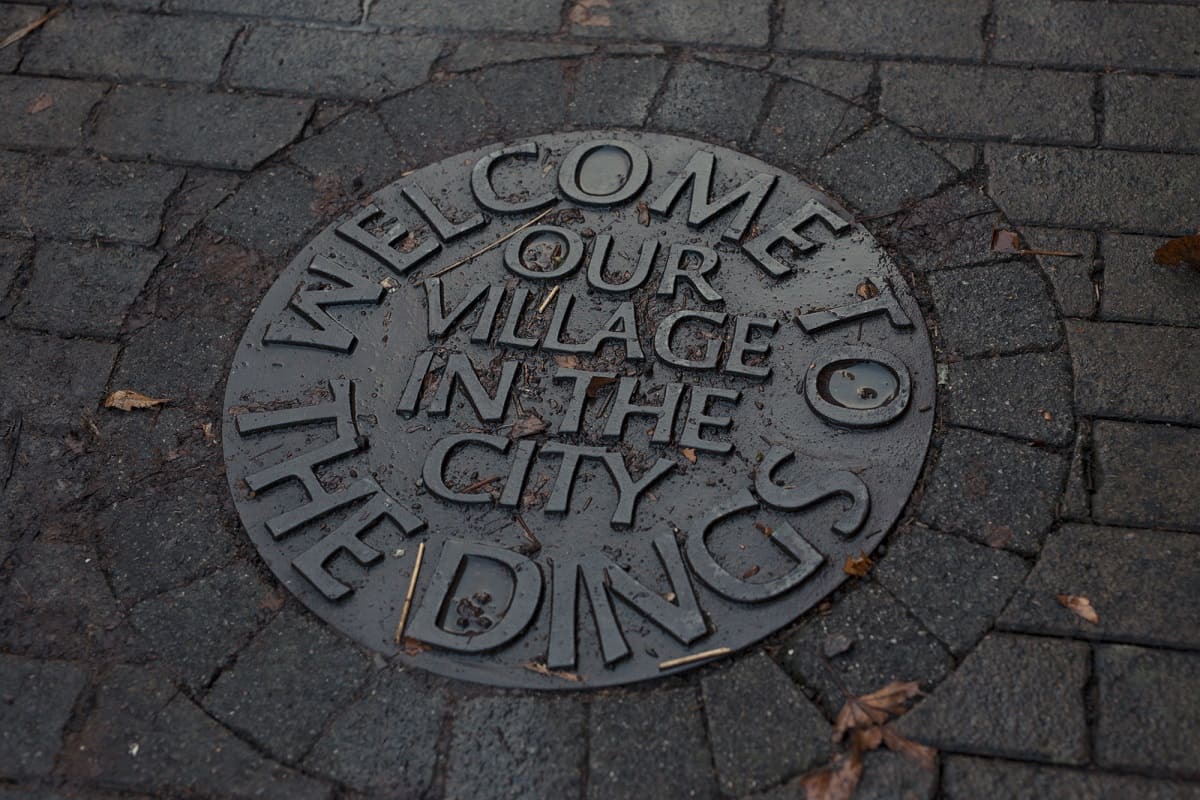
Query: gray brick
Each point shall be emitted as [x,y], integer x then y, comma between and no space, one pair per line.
[616,92]
[387,739]
[848,79]
[1070,276]
[151,359]
[761,727]
[711,100]
[196,128]
[883,170]
[1160,112]
[179,749]
[517,16]
[476,54]
[1155,693]
[36,698]
[632,756]
[331,63]
[989,102]
[1013,697]
[953,228]
[962,155]
[324,10]
[1138,290]
[1027,396]
[516,747]
[1136,371]
[803,123]
[127,47]
[1141,583]
[885,27]
[356,151]
[438,120]
[196,630]
[527,98]
[281,707]
[12,17]
[83,199]
[965,778]
[85,291]
[271,212]
[954,587]
[45,480]
[1087,34]
[993,490]
[1144,475]
[993,309]
[1095,188]
[59,126]
[79,368]
[697,22]
[887,644]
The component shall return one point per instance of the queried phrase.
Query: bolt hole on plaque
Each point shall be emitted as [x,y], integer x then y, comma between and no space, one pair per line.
[579,410]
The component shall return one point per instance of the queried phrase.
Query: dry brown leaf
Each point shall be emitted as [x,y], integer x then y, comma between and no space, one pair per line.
[581,13]
[1005,241]
[542,669]
[528,425]
[567,362]
[643,212]
[40,104]
[21,33]
[921,754]
[874,708]
[867,290]
[689,453]
[414,647]
[837,782]
[128,400]
[1080,606]
[596,384]
[1183,251]
[764,529]
[858,565]
[750,573]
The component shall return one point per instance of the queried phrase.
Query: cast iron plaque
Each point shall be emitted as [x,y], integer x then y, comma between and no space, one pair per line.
[647,427]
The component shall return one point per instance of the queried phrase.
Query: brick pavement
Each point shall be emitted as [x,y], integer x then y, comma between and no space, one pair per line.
[192,145]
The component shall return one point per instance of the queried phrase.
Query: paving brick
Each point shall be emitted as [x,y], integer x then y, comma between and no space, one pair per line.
[36,698]
[966,778]
[59,125]
[1027,396]
[518,16]
[1081,33]
[331,63]
[151,359]
[166,539]
[86,291]
[477,54]
[1140,371]
[1138,290]
[1136,106]
[1014,697]
[952,228]
[993,309]
[1144,475]
[80,369]
[848,79]
[14,255]
[631,758]
[83,199]
[12,17]
[1095,188]
[87,43]
[1071,277]
[882,170]
[271,212]
[356,151]
[438,120]
[954,587]
[761,727]
[699,22]
[616,92]
[712,101]
[282,708]
[989,102]
[46,479]
[1155,693]
[143,734]
[324,10]
[1141,583]
[803,123]
[387,739]
[963,155]
[513,747]
[885,27]
[196,630]
[886,644]
[993,490]
[184,126]
[527,98]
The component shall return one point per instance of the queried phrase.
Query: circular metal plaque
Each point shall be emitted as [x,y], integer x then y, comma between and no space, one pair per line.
[629,401]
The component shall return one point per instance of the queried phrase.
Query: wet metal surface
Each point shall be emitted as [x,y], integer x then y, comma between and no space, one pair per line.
[651,424]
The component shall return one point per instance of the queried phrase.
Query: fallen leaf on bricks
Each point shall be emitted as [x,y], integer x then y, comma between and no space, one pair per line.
[1080,606]
[40,104]
[128,400]
[1181,252]
[689,453]
[837,782]
[582,14]
[528,425]
[596,384]
[875,708]
[858,565]
[867,290]
[643,212]
[922,754]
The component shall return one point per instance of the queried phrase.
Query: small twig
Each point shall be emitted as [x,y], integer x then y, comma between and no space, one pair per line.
[412,587]
[494,244]
[533,540]
[1062,253]
[694,657]
[480,484]
[21,33]
[549,296]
